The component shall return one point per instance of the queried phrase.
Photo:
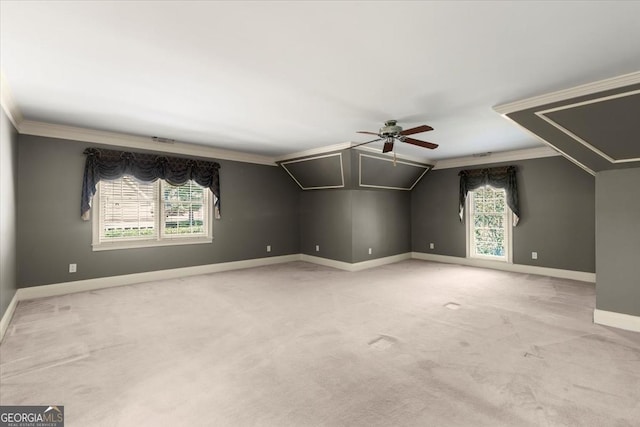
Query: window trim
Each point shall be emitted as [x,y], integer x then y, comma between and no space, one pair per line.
[508,230]
[159,240]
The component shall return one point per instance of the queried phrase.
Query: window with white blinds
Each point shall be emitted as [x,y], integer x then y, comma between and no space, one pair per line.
[132,213]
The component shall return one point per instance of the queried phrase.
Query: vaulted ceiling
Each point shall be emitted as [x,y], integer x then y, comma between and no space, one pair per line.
[273,78]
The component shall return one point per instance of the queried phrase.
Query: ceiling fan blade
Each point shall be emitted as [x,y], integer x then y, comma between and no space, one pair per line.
[420,143]
[388,146]
[367,132]
[363,143]
[423,128]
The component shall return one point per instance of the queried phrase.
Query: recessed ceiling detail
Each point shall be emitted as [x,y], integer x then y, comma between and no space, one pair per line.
[389,174]
[318,172]
[597,130]
[352,169]
[608,126]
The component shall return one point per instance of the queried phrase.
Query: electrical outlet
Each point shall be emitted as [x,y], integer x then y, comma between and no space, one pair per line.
[73,268]
[432,246]
[317,248]
[268,248]
[534,255]
[369,251]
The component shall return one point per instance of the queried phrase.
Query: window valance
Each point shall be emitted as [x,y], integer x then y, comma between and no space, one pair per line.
[500,177]
[112,164]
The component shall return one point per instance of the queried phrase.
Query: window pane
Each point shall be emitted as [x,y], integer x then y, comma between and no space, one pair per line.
[127,209]
[489,222]
[185,210]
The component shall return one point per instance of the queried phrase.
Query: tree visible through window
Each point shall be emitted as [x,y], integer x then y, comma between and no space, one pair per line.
[184,208]
[489,224]
[135,213]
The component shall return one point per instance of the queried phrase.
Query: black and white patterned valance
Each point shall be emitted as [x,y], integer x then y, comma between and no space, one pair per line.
[112,164]
[500,177]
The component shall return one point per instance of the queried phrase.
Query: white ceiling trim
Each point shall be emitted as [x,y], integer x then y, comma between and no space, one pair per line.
[315,151]
[561,95]
[543,116]
[8,104]
[30,127]
[503,156]
[130,141]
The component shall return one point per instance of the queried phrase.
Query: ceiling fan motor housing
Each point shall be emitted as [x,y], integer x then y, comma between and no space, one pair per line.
[390,129]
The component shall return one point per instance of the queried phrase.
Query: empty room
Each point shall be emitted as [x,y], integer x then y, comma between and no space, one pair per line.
[319,213]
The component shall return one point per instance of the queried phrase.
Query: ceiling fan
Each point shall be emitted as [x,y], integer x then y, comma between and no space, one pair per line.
[391,132]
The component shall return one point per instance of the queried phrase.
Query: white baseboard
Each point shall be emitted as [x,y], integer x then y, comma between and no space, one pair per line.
[358,266]
[516,268]
[8,314]
[616,320]
[129,279]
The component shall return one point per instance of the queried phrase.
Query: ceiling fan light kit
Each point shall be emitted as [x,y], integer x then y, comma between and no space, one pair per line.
[391,132]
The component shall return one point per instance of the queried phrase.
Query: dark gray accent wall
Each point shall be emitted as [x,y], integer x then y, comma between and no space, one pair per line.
[345,224]
[618,241]
[434,214]
[382,222]
[8,208]
[557,200]
[326,221]
[260,207]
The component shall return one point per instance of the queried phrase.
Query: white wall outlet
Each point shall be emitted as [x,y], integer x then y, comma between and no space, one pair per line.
[268,248]
[534,255]
[73,268]
[369,251]
[432,246]
[317,248]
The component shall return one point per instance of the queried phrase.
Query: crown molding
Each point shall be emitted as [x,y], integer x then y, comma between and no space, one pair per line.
[8,104]
[561,95]
[502,156]
[315,151]
[138,142]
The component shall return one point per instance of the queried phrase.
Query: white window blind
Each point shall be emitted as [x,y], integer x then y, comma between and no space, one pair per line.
[134,213]
[185,210]
[128,209]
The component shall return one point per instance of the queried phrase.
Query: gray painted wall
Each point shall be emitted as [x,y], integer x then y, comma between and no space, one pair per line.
[8,207]
[434,214]
[260,206]
[618,241]
[326,221]
[382,222]
[346,223]
[557,200]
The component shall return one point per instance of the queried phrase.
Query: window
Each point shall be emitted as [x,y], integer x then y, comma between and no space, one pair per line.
[488,225]
[132,214]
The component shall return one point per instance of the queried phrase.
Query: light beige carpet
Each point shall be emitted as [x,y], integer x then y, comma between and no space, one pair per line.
[304,345]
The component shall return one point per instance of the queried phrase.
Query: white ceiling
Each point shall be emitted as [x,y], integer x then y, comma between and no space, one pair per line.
[273,78]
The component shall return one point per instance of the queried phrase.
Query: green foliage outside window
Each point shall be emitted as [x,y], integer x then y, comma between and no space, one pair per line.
[489,221]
